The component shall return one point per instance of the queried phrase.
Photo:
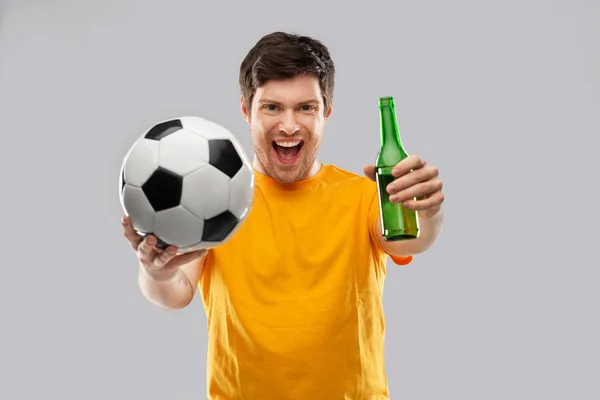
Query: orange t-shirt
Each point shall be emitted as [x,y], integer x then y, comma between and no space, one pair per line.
[294,298]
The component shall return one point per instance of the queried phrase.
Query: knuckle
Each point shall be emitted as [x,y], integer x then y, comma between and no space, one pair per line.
[146,263]
[163,258]
[142,255]
[143,247]
[147,244]
[156,263]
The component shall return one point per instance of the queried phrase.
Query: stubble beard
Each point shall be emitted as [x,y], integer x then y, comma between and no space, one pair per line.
[287,174]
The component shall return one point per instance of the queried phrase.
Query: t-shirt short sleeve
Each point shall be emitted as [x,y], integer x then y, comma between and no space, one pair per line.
[373,213]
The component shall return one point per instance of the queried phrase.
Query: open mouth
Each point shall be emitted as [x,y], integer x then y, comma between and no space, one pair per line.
[287,151]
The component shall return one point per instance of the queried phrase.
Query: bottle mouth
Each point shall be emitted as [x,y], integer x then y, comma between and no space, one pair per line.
[386,101]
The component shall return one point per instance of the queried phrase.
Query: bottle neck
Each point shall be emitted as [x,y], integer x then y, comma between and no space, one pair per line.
[392,150]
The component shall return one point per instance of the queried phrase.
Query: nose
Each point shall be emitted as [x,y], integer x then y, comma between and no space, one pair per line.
[288,123]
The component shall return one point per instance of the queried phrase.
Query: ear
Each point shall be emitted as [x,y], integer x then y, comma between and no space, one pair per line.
[244,109]
[328,114]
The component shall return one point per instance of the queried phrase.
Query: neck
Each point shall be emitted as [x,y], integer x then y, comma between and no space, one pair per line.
[314,168]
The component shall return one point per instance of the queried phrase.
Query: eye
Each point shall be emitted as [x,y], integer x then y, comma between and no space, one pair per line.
[269,107]
[308,107]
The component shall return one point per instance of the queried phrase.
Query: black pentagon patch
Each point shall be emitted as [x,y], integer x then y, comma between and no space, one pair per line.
[223,156]
[218,227]
[163,189]
[123,179]
[163,129]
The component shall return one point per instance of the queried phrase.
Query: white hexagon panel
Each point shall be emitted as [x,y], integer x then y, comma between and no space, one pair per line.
[140,211]
[206,128]
[179,227]
[241,190]
[205,192]
[140,162]
[182,152]
[216,133]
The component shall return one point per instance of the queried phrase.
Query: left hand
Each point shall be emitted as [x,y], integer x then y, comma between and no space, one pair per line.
[414,178]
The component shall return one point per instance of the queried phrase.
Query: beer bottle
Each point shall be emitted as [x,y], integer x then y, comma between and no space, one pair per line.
[397,222]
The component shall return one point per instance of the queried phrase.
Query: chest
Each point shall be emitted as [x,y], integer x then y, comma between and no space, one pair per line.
[319,223]
[296,242]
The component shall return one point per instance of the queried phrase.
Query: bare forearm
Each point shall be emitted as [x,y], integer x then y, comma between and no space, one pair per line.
[169,292]
[430,230]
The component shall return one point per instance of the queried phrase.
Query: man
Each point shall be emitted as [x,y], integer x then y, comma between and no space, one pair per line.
[294,298]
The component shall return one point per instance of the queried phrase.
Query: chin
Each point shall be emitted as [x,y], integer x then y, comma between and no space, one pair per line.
[286,175]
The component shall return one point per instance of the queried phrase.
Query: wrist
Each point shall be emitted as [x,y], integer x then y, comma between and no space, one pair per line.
[432,217]
[429,214]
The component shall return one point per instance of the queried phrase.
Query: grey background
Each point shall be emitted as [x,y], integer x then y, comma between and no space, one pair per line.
[503,96]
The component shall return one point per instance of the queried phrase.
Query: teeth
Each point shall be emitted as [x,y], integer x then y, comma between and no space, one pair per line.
[287,144]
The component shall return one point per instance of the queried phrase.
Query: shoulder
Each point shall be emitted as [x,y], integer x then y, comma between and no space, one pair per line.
[338,174]
[348,180]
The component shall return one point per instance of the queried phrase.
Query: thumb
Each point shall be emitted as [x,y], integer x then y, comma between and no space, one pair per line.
[369,171]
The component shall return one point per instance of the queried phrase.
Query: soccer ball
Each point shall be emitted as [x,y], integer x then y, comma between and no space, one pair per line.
[188,182]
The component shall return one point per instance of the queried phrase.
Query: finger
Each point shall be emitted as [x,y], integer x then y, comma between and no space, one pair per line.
[369,171]
[131,235]
[432,201]
[134,240]
[164,257]
[146,249]
[410,163]
[412,178]
[423,189]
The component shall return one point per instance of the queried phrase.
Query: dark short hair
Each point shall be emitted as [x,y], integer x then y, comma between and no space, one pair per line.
[281,55]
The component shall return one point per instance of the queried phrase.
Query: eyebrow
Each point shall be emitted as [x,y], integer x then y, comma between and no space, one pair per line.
[271,101]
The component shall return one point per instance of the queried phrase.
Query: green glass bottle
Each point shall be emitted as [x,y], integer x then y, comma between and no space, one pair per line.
[397,222]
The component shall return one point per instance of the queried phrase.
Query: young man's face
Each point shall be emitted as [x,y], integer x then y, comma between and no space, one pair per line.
[286,126]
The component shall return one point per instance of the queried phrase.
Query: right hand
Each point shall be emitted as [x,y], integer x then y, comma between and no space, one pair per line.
[159,264]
